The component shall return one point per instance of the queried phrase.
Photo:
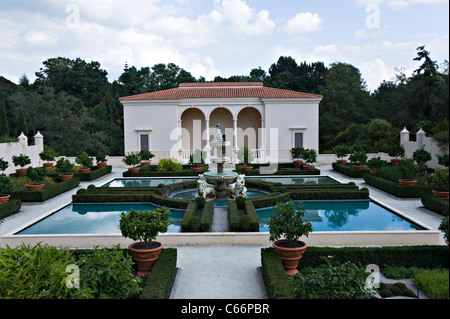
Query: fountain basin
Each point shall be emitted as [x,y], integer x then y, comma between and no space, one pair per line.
[220,177]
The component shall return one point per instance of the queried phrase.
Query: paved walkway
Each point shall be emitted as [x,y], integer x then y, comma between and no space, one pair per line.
[230,272]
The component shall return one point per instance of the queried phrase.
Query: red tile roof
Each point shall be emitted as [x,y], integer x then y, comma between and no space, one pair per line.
[220,90]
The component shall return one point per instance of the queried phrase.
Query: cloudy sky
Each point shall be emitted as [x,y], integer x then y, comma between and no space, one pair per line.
[223,37]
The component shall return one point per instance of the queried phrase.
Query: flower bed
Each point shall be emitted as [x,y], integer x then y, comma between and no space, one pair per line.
[277,283]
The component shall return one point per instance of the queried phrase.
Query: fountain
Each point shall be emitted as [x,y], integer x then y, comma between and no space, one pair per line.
[227,184]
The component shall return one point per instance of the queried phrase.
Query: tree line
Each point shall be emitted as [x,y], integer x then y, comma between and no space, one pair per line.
[74,105]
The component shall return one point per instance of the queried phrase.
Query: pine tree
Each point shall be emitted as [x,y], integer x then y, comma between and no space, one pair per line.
[4,128]
[22,124]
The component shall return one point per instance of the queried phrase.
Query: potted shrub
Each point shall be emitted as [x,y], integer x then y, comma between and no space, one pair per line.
[297,153]
[421,157]
[341,152]
[6,187]
[443,227]
[133,160]
[408,170]
[143,227]
[21,161]
[439,183]
[245,156]
[359,160]
[146,157]
[375,164]
[65,169]
[37,175]
[47,155]
[85,161]
[195,168]
[101,159]
[310,157]
[288,223]
[397,151]
[198,158]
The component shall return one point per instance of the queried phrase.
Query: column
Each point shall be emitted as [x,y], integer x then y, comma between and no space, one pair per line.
[262,148]
[235,145]
[207,147]
[180,141]
[420,138]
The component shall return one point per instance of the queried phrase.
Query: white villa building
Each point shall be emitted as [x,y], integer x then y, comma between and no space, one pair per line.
[175,122]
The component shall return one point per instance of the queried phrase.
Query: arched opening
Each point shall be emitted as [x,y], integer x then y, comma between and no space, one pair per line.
[192,127]
[248,130]
[223,117]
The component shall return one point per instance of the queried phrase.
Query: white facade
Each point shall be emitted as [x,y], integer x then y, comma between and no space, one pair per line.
[178,121]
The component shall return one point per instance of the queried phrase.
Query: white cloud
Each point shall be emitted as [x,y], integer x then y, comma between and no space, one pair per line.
[303,22]
[399,4]
[243,19]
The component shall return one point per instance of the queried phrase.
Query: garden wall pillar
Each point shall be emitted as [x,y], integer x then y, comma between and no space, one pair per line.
[404,136]
[23,140]
[421,138]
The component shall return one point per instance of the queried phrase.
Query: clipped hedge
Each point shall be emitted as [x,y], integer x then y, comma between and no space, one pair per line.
[437,205]
[94,173]
[249,222]
[280,171]
[9,208]
[158,284]
[275,279]
[277,283]
[192,223]
[395,188]
[47,192]
[348,170]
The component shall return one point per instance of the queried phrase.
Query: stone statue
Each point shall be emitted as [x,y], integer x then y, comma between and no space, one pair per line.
[205,190]
[219,136]
[238,188]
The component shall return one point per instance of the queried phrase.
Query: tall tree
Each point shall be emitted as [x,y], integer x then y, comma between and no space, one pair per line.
[4,127]
[22,124]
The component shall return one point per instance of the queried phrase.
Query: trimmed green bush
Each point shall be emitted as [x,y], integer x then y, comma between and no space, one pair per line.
[158,283]
[437,205]
[47,192]
[395,188]
[348,170]
[10,208]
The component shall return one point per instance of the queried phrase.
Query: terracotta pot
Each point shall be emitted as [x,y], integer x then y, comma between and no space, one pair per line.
[246,168]
[47,165]
[359,167]
[308,167]
[290,257]
[35,187]
[145,258]
[21,171]
[65,177]
[4,198]
[342,162]
[196,169]
[101,164]
[438,194]
[298,163]
[84,170]
[407,182]
[373,172]
[145,163]
[134,169]
[446,241]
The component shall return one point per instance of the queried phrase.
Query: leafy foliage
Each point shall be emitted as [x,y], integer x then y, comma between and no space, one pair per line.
[144,225]
[333,280]
[288,222]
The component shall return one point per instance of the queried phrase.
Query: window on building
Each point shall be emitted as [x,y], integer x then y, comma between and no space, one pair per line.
[298,139]
[144,142]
